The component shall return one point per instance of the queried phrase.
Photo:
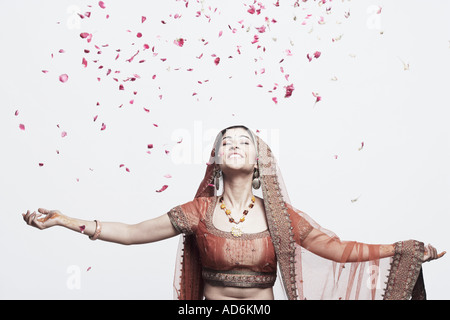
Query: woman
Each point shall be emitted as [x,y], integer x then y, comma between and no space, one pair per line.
[233,243]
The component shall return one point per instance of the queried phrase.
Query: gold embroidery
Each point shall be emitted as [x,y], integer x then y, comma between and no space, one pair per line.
[239,278]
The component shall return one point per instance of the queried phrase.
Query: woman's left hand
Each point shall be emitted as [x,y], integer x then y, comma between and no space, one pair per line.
[431,253]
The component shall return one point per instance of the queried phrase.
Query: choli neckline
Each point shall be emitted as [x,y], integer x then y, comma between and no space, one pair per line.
[227,234]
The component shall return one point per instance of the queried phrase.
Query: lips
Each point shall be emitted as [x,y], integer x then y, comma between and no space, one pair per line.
[235,155]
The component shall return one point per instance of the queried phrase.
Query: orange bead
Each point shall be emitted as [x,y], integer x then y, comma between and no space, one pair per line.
[227,211]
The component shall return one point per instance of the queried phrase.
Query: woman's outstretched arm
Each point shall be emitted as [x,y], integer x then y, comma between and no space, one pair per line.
[351,251]
[148,231]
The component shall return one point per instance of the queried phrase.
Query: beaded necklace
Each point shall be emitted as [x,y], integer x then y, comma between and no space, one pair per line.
[236,231]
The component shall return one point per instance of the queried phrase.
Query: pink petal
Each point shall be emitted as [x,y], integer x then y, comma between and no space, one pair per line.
[88,269]
[143,19]
[274,99]
[217,60]
[41,164]
[84,62]
[261,29]
[16,113]
[22,127]
[179,42]
[289,90]
[82,228]
[101,4]
[167,176]
[63,78]
[103,126]
[164,187]
[362,146]
[317,54]
[63,134]
[139,35]
[150,146]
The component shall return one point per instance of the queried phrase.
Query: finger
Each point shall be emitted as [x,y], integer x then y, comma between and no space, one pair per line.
[44,211]
[30,218]
[440,255]
[25,215]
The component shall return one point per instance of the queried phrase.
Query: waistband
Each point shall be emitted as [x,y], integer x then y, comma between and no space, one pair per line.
[239,278]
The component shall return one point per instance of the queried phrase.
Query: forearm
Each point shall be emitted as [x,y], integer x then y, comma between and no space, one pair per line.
[332,248]
[116,232]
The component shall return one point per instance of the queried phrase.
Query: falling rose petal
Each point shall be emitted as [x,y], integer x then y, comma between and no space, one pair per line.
[22,127]
[150,146]
[41,164]
[164,187]
[84,35]
[146,110]
[103,127]
[274,99]
[63,134]
[362,146]
[16,113]
[289,90]
[139,35]
[63,78]
[88,269]
[317,54]
[82,228]
[179,42]
[143,18]
[95,118]
[217,61]
[167,176]
[44,71]
[102,4]
[261,29]
[84,62]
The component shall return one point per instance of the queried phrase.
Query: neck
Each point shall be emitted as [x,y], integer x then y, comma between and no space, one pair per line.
[237,191]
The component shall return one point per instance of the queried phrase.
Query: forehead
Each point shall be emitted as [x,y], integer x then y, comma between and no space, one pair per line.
[236,132]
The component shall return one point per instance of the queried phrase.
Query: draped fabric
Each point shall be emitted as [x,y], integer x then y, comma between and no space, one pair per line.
[310,267]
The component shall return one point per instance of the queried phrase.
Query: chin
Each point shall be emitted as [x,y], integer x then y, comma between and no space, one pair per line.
[237,166]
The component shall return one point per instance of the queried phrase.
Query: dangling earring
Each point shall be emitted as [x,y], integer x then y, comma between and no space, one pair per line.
[217,175]
[256,183]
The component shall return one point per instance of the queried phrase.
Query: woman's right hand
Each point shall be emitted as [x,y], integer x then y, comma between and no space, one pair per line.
[44,219]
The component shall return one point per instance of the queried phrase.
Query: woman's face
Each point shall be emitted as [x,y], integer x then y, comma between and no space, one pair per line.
[237,150]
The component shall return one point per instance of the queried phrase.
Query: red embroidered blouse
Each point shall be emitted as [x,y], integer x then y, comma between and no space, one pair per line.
[246,261]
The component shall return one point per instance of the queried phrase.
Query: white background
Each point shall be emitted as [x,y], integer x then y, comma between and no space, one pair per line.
[400,178]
